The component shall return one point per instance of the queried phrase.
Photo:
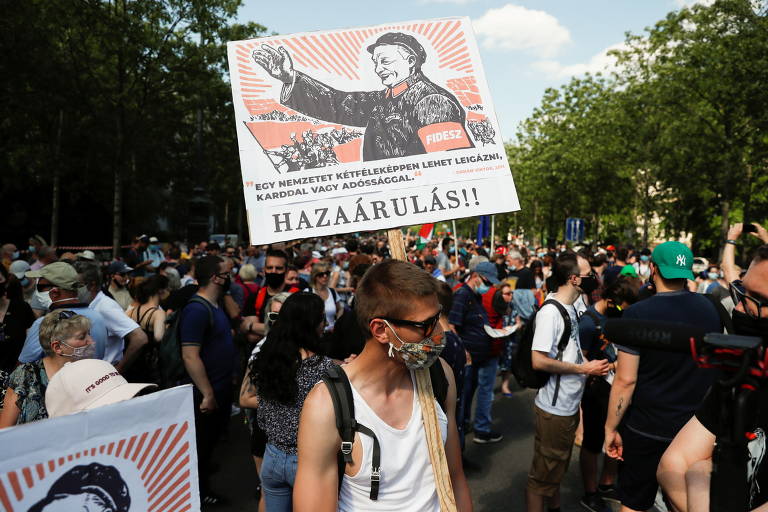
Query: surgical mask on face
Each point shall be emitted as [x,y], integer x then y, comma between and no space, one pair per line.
[511,268]
[482,289]
[713,276]
[43,298]
[154,247]
[15,255]
[541,254]
[644,258]
[85,352]
[422,354]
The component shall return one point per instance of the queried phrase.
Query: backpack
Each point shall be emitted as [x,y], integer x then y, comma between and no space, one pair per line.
[522,365]
[340,390]
[172,368]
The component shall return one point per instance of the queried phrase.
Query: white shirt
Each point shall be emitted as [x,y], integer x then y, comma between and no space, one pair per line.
[407,479]
[118,325]
[549,328]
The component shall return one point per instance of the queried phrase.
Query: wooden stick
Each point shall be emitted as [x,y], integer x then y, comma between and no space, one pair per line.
[428,410]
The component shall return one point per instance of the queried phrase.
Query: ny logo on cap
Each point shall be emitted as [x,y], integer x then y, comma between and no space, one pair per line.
[680,260]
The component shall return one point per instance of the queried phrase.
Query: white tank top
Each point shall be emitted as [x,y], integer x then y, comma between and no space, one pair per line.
[407,479]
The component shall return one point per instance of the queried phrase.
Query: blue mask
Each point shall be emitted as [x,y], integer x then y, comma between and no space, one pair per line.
[31,249]
[644,258]
[482,289]
[15,255]
[153,247]
[713,276]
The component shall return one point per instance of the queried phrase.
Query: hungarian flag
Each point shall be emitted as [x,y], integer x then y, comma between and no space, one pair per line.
[425,235]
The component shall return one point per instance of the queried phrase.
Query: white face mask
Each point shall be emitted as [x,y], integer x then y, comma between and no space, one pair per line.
[43,298]
[85,352]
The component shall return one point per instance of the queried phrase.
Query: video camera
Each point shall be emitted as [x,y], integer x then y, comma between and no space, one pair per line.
[743,362]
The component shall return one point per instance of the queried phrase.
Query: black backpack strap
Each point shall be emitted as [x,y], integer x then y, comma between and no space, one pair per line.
[208,308]
[340,390]
[562,343]
[439,383]
[725,318]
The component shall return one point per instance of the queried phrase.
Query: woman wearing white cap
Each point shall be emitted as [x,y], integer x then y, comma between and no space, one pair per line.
[64,336]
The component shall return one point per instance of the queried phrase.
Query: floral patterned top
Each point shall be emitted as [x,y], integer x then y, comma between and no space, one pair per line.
[281,421]
[29,381]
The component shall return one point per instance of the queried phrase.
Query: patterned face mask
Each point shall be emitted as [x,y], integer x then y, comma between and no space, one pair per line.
[417,355]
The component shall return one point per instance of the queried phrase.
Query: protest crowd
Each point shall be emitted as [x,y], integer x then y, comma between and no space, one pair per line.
[254,329]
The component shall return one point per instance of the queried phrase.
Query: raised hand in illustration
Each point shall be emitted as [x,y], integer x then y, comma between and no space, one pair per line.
[277,63]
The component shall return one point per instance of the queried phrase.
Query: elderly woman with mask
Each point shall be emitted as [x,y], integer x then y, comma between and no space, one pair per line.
[64,337]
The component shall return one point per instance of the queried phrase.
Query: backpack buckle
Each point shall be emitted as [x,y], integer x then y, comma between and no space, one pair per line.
[346,447]
[376,475]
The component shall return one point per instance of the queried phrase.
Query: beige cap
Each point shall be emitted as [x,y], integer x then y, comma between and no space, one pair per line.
[59,273]
[87,384]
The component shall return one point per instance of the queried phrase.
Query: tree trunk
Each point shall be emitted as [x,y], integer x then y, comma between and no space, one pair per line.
[55,206]
[725,210]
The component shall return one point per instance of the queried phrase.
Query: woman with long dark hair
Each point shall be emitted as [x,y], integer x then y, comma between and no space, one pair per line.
[151,318]
[285,370]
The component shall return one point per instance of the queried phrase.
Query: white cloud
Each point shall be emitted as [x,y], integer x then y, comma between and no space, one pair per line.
[513,27]
[689,3]
[602,62]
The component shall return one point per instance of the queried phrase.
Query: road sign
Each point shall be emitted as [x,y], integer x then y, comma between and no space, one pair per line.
[574,229]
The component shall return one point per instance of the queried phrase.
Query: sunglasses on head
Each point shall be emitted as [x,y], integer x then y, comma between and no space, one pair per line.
[66,315]
[752,305]
[427,326]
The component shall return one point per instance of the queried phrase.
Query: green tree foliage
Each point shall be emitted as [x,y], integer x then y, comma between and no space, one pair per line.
[678,133]
[126,100]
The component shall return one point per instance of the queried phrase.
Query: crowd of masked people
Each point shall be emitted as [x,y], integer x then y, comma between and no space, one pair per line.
[258,327]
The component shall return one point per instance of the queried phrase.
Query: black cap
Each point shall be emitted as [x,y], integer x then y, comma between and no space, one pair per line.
[404,40]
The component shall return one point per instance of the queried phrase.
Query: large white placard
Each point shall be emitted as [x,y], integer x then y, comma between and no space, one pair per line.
[137,455]
[367,128]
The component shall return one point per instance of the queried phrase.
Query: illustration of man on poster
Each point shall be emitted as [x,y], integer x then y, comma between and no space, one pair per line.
[91,488]
[411,116]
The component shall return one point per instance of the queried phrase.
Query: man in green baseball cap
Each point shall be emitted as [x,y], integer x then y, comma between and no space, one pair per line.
[59,274]
[664,388]
[674,260]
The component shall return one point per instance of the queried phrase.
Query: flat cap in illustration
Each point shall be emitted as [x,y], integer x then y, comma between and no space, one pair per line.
[406,41]
[94,487]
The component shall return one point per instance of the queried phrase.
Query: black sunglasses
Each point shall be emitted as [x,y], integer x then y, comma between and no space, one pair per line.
[739,295]
[322,274]
[427,326]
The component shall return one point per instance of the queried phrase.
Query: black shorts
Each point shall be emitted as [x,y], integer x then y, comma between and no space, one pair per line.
[637,483]
[594,408]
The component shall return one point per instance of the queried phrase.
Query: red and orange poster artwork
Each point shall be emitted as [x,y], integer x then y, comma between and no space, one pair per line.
[364,129]
[130,456]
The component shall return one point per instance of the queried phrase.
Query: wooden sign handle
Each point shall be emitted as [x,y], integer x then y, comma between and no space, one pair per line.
[428,410]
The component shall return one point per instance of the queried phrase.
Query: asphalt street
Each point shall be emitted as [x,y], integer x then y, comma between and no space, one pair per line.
[496,472]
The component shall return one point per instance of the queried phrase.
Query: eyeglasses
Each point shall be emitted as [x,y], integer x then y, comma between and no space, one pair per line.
[427,326]
[752,305]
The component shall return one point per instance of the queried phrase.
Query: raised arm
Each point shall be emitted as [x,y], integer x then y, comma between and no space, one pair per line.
[316,488]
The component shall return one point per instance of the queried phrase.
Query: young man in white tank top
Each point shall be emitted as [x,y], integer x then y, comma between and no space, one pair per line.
[398,312]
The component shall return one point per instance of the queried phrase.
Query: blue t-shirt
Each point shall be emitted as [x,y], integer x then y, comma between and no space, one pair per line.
[217,350]
[469,317]
[669,386]
[32,350]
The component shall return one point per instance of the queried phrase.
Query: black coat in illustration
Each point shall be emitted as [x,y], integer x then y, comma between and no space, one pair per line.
[400,121]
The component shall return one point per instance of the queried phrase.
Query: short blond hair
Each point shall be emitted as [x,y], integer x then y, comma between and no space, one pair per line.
[54,327]
[318,268]
[248,272]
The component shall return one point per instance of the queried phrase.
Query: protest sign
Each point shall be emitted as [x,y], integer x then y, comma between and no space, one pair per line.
[366,129]
[133,455]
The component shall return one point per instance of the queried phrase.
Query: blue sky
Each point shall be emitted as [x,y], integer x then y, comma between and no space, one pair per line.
[526,46]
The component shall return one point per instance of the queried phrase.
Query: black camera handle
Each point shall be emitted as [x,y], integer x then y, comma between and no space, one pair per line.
[729,489]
